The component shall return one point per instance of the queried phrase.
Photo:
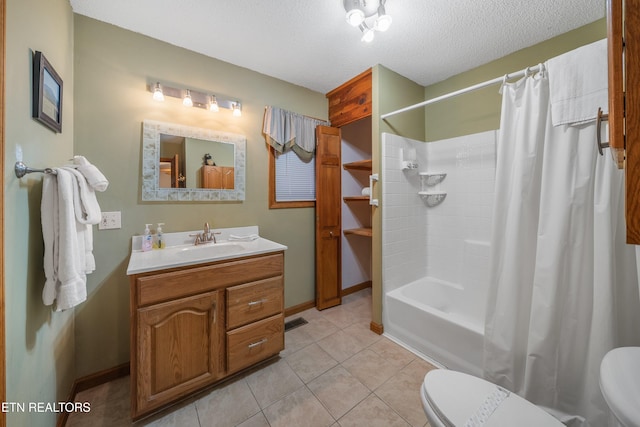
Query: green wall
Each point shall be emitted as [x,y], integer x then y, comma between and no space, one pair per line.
[39,342]
[480,110]
[112,68]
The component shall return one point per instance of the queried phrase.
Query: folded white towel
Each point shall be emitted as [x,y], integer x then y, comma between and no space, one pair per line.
[578,84]
[84,199]
[247,238]
[94,177]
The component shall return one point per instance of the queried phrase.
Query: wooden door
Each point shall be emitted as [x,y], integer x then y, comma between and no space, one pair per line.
[178,349]
[328,218]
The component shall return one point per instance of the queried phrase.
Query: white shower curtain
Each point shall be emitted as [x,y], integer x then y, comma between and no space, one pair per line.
[563,283]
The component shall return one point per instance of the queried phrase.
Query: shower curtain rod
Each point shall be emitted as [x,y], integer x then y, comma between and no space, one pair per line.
[526,71]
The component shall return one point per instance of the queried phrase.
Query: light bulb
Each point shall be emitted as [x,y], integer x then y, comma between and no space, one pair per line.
[213,104]
[367,33]
[383,22]
[187,101]
[355,17]
[237,111]
[157,93]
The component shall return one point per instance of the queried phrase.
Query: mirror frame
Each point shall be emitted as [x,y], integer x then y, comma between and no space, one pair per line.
[151,191]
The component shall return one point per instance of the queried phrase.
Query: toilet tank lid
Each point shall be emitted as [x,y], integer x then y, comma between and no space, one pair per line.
[464,400]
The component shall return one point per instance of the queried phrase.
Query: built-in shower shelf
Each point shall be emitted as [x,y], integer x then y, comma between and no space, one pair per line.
[366,231]
[432,178]
[432,198]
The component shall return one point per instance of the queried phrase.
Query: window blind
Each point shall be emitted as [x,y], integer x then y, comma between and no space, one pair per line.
[295,178]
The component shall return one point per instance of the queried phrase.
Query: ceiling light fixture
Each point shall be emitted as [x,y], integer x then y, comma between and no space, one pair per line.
[361,11]
[193,98]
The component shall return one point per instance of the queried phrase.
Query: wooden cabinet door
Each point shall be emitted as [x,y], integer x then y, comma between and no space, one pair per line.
[212,177]
[179,348]
[218,177]
[632,118]
[623,37]
[328,217]
[228,179]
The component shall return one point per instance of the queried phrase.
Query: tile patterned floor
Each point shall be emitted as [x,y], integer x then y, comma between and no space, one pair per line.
[333,372]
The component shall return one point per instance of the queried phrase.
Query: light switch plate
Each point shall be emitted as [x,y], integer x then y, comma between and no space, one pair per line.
[110,220]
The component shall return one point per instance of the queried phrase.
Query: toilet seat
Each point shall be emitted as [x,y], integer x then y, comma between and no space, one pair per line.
[455,399]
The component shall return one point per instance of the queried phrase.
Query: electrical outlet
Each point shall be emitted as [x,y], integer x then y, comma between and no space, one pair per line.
[110,220]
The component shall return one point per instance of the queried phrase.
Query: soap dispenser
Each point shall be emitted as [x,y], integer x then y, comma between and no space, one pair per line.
[147,239]
[159,236]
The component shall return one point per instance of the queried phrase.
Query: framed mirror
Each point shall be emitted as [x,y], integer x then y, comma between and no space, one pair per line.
[183,163]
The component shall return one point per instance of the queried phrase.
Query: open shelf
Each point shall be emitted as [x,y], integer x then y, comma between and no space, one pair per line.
[356,198]
[359,232]
[364,165]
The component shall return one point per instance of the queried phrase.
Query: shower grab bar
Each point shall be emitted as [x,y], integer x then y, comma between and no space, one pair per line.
[372,201]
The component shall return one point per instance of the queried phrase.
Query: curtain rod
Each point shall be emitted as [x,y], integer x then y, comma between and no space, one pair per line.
[525,72]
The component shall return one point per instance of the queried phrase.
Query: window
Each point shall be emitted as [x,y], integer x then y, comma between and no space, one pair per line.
[292,181]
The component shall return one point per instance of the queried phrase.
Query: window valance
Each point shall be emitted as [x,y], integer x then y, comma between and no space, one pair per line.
[285,130]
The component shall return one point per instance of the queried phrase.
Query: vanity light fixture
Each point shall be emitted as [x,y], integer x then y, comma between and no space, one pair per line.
[237,109]
[359,11]
[187,101]
[194,98]
[157,92]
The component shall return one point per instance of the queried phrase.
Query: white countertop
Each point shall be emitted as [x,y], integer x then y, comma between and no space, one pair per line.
[180,250]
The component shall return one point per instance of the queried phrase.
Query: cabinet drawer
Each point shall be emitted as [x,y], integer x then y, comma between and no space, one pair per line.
[160,287]
[255,342]
[254,301]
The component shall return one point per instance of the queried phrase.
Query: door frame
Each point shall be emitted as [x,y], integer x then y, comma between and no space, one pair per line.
[3,38]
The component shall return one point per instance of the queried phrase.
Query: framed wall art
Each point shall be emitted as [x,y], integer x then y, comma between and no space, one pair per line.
[47,93]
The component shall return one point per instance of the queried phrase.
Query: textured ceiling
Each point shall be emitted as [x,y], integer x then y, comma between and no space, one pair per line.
[309,43]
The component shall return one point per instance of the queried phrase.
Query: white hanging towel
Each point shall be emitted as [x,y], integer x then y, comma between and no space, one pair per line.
[69,208]
[68,284]
[578,82]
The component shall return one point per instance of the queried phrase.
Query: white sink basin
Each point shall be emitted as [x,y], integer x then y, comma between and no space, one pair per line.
[210,250]
[620,384]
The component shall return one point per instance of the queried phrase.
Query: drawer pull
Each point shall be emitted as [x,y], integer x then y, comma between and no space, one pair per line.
[257,343]
[252,303]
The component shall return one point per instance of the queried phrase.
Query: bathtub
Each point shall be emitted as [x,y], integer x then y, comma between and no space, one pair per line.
[439,321]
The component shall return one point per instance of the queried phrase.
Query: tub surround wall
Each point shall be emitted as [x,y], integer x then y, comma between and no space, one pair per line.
[447,244]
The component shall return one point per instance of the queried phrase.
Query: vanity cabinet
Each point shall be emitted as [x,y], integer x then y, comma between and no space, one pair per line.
[194,326]
[218,177]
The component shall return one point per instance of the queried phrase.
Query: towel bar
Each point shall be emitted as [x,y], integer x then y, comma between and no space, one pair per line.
[21,170]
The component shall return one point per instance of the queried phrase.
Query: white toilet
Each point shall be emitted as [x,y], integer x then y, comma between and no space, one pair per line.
[454,399]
